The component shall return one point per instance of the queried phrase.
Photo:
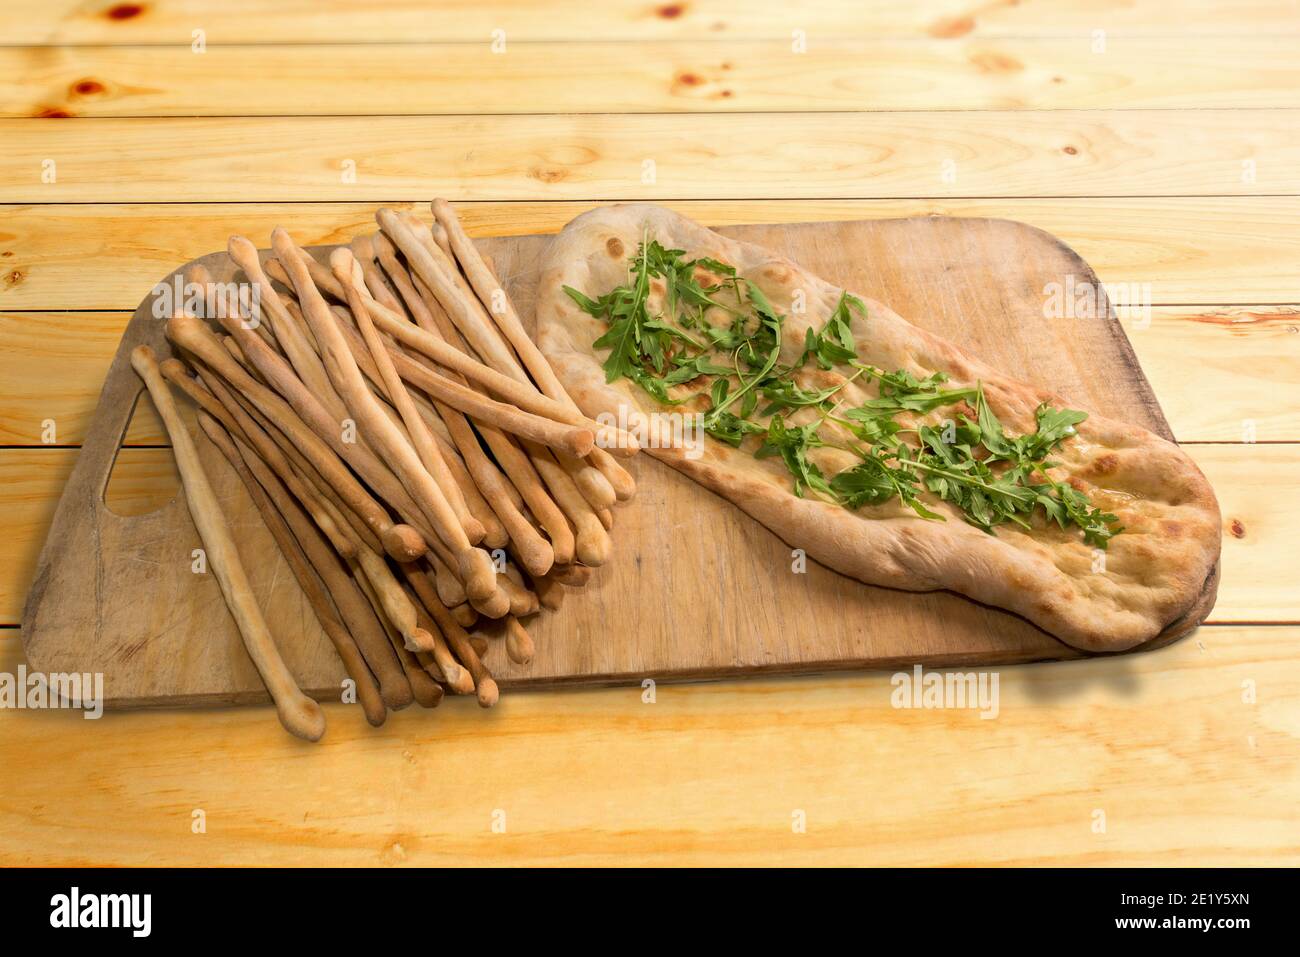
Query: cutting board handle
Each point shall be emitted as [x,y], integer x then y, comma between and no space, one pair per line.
[117,403]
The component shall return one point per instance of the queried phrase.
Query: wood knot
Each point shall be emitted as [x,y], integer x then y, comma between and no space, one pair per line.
[1071,150]
[124,11]
[549,175]
[948,27]
[671,11]
[1237,529]
[87,87]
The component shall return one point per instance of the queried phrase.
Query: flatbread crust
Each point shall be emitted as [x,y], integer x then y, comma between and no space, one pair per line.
[1154,571]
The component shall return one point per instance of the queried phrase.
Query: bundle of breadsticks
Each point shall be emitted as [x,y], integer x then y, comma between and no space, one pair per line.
[412,453]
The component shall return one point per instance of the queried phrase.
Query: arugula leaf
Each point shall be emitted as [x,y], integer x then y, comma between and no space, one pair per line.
[624,354]
[793,445]
[874,481]
[834,342]
[991,478]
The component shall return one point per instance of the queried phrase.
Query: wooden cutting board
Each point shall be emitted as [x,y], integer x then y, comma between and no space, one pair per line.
[694,589]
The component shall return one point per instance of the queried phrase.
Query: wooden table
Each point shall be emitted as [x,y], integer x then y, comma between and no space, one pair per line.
[1161,140]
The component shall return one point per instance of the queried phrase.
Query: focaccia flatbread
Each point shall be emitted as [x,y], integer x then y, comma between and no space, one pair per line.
[1153,571]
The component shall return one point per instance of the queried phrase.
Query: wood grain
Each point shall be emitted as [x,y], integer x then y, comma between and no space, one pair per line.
[1189,249]
[300,21]
[1247,357]
[979,282]
[1186,771]
[650,77]
[1258,571]
[756,156]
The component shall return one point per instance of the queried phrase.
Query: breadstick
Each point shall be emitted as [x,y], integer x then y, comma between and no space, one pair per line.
[527,544]
[443,278]
[450,590]
[302,356]
[474,565]
[575,575]
[490,291]
[402,542]
[550,593]
[417,431]
[196,274]
[460,301]
[351,604]
[299,714]
[373,280]
[240,424]
[519,644]
[591,541]
[329,501]
[522,601]
[500,494]
[456,636]
[465,615]
[368,694]
[396,606]
[444,663]
[523,395]
[426,691]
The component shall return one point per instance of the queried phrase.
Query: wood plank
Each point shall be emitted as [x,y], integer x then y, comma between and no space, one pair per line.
[247,21]
[1191,250]
[650,77]
[1259,537]
[1186,772]
[822,155]
[1248,358]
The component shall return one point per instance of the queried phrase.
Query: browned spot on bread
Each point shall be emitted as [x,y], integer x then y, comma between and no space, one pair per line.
[87,87]
[990,62]
[1105,464]
[947,27]
[671,11]
[1237,529]
[1071,150]
[549,175]
[1172,529]
[776,272]
[52,113]
[614,246]
[124,11]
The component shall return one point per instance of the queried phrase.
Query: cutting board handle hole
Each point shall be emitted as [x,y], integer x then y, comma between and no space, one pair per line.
[143,478]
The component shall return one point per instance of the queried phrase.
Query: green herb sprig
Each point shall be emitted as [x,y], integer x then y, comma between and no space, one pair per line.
[991,478]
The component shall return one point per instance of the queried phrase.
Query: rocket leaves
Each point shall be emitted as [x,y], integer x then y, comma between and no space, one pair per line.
[715,323]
